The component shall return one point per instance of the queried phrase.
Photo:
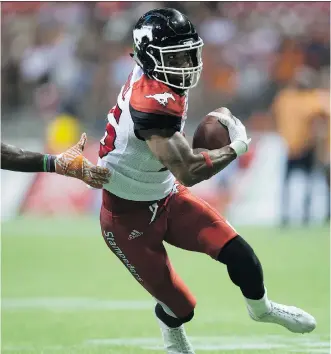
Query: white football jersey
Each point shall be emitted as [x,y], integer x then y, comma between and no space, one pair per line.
[136,174]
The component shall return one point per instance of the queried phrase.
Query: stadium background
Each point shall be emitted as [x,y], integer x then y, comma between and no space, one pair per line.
[62,67]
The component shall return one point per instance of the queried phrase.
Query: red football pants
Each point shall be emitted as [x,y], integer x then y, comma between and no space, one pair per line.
[135,232]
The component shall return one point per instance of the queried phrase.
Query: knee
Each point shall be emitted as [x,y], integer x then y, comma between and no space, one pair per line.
[236,250]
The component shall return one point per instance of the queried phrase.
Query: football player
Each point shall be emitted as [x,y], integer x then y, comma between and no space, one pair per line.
[147,200]
[71,163]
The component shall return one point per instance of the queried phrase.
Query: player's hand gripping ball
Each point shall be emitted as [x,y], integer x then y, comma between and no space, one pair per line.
[218,129]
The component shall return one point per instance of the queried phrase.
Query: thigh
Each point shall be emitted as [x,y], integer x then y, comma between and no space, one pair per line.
[145,256]
[196,226]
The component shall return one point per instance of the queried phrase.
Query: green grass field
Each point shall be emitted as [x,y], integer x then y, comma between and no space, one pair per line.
[64,292]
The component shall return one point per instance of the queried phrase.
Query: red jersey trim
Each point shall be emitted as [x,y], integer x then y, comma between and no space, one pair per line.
[151,96]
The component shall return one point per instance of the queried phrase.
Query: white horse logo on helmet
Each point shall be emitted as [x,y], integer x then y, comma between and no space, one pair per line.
[162,98]
[140,33]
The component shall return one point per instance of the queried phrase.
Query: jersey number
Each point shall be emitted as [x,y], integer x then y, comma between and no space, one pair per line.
[107,143]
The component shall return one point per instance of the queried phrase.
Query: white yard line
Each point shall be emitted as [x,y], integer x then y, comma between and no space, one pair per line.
[71,303]
[313,345]
[249,343]
[320,351]
[31,348]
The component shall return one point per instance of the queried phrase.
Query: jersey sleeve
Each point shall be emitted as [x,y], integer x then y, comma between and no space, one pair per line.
[153,105]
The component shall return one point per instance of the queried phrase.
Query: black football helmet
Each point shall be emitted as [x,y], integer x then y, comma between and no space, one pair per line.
[168,48]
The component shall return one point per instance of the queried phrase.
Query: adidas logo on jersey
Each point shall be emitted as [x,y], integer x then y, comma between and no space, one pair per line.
[162,98]
[135,234]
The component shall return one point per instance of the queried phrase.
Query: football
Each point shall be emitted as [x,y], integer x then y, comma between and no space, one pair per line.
[211,134]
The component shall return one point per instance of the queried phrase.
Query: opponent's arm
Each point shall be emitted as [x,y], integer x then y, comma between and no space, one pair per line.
[71,163]
[173,150]
[16,159]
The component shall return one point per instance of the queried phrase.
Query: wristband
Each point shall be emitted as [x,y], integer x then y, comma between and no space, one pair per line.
[207,158]
[239,146]
[52,159]
[49,163]
[45,163]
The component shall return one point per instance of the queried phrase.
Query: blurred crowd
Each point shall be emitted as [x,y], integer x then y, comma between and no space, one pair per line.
[73,57]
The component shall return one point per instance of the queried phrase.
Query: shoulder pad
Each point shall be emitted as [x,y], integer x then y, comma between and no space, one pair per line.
[151,96]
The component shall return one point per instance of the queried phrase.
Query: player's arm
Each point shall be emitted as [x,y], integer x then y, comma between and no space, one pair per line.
[159,124]
[71,163]
[174,152]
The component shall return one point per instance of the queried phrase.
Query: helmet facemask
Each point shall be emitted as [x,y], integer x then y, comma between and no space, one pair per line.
[177,66]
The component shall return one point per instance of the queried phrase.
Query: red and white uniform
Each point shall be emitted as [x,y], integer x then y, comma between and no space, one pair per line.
[142,103]
[143,205]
